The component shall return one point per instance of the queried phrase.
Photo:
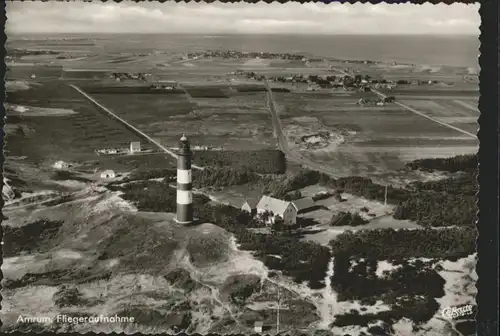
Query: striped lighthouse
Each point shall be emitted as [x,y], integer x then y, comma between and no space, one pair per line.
[184,194]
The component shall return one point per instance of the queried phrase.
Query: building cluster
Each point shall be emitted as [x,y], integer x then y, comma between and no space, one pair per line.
[376,102]
[121,76]
[135,147]
[164,86]
[269,209]
[358,82]
[109,151]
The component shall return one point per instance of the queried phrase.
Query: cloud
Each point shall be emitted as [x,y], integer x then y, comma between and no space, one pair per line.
[226,18]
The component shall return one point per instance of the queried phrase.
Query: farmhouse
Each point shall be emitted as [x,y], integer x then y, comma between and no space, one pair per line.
[108,174]
[303,204]
[135,147]
[276,207]
[61,165]
[250,206]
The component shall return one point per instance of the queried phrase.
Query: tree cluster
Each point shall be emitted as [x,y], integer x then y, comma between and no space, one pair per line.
[258,161]
[347,219]
[280,188]
[65,175]
[445,243]
[149,174]
[303,261]
[155,196]
[436,209]
[464,184]
[293,196]
[453,164]
[410,290]
[222,177]
[29,238]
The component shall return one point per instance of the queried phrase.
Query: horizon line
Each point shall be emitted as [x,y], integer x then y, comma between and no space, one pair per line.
[242,34]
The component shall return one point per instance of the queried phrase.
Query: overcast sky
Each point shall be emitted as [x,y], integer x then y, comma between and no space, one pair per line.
[220,18]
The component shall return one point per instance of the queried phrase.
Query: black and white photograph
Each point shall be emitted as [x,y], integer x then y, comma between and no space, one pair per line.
[235,168]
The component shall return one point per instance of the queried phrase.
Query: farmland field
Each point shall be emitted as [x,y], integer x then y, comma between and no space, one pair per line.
[234,123]
[26,71]
[372,139]
[79,132]
[457,112]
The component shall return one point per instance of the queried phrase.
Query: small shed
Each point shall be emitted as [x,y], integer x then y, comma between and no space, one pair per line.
[258,326]
[108,174]
[135,146]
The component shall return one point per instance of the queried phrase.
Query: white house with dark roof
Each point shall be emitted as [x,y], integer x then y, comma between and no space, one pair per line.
[135,147]
[274,206]
[108,174]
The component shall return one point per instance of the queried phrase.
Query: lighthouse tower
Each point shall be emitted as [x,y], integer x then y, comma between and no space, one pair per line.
[184,194]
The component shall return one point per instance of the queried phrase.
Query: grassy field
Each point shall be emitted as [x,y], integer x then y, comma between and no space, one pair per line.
[239,122]
[76,136]
[26,71]
[461,113]
[368,140]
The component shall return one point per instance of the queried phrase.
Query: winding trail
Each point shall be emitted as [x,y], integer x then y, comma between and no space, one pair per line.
[130,126]
[184,262]
[328,309]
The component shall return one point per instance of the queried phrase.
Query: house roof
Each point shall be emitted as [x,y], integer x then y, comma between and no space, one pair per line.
[259,323]
[108,172]
[303,203]
[274,205]
[252,202]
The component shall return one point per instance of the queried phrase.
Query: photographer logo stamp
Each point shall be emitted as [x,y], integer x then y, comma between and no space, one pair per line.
[450,313]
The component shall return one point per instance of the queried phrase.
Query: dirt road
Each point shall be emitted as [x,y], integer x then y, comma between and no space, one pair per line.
[188,95]
[135,129]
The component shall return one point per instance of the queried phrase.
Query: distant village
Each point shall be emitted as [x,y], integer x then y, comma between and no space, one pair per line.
[242,54]
[121,76]
[234,54]
[331,81]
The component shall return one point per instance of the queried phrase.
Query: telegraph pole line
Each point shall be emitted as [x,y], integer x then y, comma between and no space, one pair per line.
[278,314]
[385,196]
